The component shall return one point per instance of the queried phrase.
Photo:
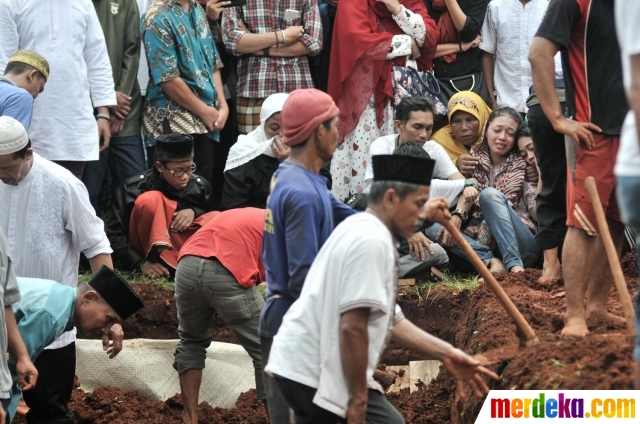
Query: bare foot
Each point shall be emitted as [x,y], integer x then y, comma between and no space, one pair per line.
[574,327]
[516,269]
[551,270]
[497,267]
[601,314]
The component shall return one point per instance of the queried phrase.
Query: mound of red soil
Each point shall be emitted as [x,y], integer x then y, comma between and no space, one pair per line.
[473,321]
[477,323]
[158,319]
[628,263]
[110,405]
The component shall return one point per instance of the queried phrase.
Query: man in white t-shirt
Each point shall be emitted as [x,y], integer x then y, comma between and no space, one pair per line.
[627,14]
[414,122]
[347,311]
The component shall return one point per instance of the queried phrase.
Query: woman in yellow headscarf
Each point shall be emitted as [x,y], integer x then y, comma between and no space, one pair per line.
[467,114]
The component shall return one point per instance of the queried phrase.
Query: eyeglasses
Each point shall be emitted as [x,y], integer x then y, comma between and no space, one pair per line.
[181,171]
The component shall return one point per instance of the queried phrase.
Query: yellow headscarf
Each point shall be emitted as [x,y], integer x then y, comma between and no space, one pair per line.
[466,101]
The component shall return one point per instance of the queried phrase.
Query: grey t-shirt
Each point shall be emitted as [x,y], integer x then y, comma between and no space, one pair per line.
[10,294]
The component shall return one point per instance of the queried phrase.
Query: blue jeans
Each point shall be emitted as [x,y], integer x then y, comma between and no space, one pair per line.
[515,241]
[628,195]
[124,158]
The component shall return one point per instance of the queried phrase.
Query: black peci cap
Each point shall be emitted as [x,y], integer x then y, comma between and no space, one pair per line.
[404,169]
[174,147]
[116,292]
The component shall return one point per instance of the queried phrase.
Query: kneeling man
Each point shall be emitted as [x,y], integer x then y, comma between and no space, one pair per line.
[347,310]
[154,213]
[48,309]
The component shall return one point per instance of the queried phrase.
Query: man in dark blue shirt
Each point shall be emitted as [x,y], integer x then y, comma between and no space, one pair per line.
[301,214]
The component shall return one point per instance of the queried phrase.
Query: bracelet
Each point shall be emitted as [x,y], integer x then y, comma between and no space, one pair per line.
[462,214]
[265,51]
[103,116]
[460,45]
[284,37]
[277,40]
[470,183]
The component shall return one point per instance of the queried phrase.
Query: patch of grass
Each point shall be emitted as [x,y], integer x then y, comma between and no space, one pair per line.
[134,277]
[458,282]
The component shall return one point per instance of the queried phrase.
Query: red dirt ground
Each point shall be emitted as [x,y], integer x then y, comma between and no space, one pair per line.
[158,319]
[474,322]
[110,405]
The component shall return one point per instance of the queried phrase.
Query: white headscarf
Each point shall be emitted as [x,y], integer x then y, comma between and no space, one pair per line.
[255,143]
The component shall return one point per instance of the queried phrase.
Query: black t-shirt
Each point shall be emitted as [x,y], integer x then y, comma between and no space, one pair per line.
[467,62]
[585,29]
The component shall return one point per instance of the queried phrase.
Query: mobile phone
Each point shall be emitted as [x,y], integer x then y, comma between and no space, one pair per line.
[237,3]
[291,14]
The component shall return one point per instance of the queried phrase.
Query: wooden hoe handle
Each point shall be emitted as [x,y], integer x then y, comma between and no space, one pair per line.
[612,255]
[528,333]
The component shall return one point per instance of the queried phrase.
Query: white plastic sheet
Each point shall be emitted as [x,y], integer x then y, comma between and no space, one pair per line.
[146,366]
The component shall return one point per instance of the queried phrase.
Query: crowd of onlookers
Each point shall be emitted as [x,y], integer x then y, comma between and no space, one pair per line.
[158,116]
[219,72]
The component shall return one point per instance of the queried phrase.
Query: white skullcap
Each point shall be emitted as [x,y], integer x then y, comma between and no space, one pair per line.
[13,136]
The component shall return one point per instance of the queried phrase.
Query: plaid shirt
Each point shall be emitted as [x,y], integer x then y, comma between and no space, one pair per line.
[260,76]
[178,44]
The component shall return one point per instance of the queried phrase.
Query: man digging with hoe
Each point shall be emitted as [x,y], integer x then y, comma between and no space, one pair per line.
[347,311]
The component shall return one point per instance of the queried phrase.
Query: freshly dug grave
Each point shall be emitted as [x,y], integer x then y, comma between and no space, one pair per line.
[158,319]
[472,321]
[110,405]
[476,323]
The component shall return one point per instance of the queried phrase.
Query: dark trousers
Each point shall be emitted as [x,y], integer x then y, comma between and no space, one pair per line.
[48,402]
[551,203]
[205,151]
[76,167]
[123,159]
[277,406]
[300,398]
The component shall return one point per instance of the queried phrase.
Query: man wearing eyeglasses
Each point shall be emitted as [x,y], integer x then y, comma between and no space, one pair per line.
[154,213]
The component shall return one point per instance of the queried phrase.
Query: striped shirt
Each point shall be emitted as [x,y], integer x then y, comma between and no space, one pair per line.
[260,76]
[48,221]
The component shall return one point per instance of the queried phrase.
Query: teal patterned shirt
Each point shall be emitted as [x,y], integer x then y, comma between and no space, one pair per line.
[178,44]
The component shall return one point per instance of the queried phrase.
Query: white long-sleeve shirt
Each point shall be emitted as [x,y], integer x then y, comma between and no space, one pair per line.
[68,34]
[48,221]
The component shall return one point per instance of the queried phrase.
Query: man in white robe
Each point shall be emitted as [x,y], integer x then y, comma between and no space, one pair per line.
[68,34]
[48,220]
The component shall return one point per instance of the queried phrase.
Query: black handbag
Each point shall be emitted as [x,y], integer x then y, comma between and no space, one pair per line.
[472,82]
[409,82]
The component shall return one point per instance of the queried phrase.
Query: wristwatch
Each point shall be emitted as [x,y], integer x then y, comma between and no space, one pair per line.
[462,214]
[470,183]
